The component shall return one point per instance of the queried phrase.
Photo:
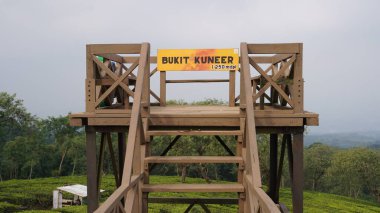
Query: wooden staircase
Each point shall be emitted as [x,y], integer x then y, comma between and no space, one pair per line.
[133,194]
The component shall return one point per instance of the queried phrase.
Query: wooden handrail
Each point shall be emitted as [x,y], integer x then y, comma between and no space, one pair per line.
[252,175]
[198,81]
[113,200]
[130,181]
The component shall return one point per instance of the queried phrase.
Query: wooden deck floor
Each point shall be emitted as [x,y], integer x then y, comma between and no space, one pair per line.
[197,116]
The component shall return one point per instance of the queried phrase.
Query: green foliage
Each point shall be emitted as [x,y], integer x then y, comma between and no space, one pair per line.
[208,101]
[317,160]
[36,195]
[8,207]
[14,119]
[359,170]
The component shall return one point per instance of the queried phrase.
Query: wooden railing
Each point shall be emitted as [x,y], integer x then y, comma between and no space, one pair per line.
[109,82]
[277,75]
[133,175]
[257,199]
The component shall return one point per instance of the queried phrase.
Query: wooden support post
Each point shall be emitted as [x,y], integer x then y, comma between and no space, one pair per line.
[100,161]
[273,142]
[280,166]
[92,191]
[113,159]
[297,183]
[232,88]
[298,86]
[162,88]
[144,208]
[262,96]
[121,148]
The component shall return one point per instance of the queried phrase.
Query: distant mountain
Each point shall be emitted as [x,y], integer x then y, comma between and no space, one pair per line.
[346,140]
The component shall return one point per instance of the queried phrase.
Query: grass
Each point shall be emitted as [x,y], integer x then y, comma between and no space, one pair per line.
[35,196]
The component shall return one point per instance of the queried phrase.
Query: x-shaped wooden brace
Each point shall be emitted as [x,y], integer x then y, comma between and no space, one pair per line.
[271,81]
[118,80]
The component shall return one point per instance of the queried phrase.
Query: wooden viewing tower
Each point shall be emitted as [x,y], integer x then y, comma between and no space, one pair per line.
[118,100]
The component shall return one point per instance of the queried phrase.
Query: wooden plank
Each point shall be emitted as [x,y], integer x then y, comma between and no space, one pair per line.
[90,94]
[184,200]
[193,188]
[158,121]
[231,89]
[114,199]
[270,59]
[92,198]
[194,159]
[193,132]
[109,122]
[298,178]
[197,81]
[298,83]
[153,72]
[273,145]
[135,115]
[113,57]
[285,48]
[312,121]
[113,111]
[121,146]
[162,88]
[224,145]
[115,48]
[155,95]
[251,145]
[76,122]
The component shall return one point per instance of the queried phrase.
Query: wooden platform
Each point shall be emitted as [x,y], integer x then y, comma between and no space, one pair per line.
[199,116]
[193,188]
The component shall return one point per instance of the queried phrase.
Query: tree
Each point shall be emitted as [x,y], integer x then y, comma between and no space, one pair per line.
[355,172]
[14,121]
[58,131]
[317,160]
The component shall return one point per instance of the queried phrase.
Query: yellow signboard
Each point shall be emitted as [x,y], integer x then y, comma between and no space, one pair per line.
[198,59]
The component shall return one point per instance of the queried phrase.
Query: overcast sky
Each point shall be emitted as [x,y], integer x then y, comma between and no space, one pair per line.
[42,48]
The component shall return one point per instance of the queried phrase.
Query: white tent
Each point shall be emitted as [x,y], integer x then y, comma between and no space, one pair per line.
[79,191]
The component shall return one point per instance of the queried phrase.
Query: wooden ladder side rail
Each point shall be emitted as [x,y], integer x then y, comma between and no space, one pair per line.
[265,203]
[113,201]
[135,128]
[252,177]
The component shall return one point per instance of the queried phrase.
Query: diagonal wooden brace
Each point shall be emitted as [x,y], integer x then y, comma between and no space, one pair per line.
[118,80]
[271,81]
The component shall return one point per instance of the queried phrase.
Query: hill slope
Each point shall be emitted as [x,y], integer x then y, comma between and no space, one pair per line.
[37,194]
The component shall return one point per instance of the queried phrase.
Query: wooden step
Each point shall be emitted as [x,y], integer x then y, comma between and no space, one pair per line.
[194,159]
[193,188]
[189,200]
[193,132]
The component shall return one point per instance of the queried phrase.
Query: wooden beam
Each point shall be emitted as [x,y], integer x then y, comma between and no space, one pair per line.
[231,92]
[224,145]
[185,200]
[298,179]
[193,188]
[273,143]
[193,159]
[163,88]
[197,81]
[92,192]
[193,132]
[286,48]
[115,48]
